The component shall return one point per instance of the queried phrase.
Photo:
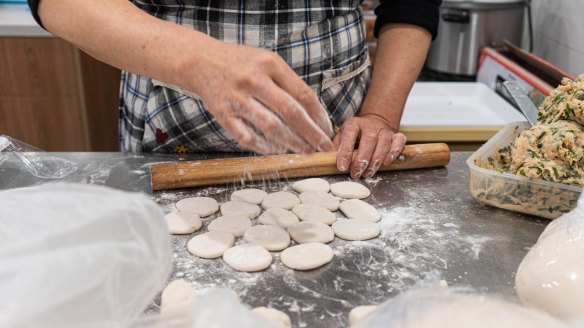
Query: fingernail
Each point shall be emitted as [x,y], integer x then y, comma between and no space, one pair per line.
[362,166]
[369,173]
[343,165]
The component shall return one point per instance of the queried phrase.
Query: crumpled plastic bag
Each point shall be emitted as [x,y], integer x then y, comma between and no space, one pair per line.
[551,275]
[449,308]
[79,256]
[216,309]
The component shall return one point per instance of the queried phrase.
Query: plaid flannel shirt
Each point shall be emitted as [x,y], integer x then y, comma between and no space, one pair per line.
[323,42]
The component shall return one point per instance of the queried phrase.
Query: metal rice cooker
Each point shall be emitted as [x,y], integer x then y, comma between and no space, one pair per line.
[466,26]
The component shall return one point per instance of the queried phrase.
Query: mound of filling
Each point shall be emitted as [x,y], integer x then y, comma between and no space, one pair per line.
[553,149]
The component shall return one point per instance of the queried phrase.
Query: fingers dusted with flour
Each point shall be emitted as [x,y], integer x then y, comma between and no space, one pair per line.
[376,140]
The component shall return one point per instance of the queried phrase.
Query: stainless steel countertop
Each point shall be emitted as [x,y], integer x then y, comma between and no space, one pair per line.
[431,229]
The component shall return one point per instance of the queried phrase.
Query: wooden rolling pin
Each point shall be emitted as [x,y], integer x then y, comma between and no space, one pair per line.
[208,172]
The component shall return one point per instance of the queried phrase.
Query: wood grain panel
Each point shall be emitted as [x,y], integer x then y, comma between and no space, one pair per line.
[36,66]
[100,87]
[51,123]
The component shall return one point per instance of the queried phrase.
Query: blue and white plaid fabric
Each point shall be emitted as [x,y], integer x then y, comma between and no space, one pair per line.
[323,42]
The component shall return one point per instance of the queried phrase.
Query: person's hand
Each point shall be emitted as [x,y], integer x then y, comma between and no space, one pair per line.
[260,100]
[378,144]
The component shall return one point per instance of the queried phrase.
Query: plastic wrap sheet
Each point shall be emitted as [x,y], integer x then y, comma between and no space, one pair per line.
[79,256]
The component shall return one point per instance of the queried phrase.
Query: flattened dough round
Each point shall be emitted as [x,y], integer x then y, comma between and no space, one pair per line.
[238,207]
[270,237]
[311,212]
[313,184]
[247,257]
[323,199]
[360,312]
[350,190]
[277,318]
[280,199]
[307,256]
[202,206]
[250,195]
[278,216]
[234,223]
[311,231]
[178,291]
[210,245]
[352,229]
[358,209]
[181,223]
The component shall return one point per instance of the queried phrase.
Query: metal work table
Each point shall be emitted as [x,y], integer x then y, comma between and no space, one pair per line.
[431,229]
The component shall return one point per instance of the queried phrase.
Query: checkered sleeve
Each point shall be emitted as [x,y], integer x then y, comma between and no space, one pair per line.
[423,13]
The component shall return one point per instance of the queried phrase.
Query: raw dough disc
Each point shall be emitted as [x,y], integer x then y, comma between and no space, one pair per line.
[247,257]
[277,318]
[270,237]
[178,291]
[352,229]
[311,231]
[251,195]
[350,190]
[202,206]
[360,312]
[278,216]
[238,207]
[307,256]
[280,199]
[311,212]
[358,209]
[182,223]
[323,199]
[211,244]
[234,223]
[314,184]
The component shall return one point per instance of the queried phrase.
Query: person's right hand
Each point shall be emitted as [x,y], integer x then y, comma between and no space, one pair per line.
[260,100]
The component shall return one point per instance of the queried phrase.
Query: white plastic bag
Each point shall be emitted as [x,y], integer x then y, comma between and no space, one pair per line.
[216,309]
[448,308]
[551,275]
[79,256]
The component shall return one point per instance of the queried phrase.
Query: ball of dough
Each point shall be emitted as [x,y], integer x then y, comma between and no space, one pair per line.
[202,206]
[238,207]
[181,223]
[279,217]
[280,199]
[277,318]
[247,257]
[211,244]
[178,291]
[360,312]
[310,212]
[311,231]
[251,195]
[358,209]
[313,184]
[350,190]
[234,223]
[551,275]
[323,199]
[307,256]
[270,237]
[353,229]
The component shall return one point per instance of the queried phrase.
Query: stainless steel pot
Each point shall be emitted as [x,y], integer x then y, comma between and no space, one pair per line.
[468,26]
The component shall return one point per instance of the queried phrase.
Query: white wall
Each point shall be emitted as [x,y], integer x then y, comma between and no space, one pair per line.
[559,33]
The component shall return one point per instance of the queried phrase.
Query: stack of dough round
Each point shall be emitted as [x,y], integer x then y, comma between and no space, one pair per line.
[310,212]
[280,199]
[313,184]
[241,208]
[202,206]
[251,195]
[278,216]
[181,223]
[350,190]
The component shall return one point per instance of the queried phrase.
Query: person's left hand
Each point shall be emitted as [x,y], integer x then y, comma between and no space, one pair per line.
[378,143]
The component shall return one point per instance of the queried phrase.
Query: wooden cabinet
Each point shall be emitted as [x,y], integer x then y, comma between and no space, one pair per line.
[57,98]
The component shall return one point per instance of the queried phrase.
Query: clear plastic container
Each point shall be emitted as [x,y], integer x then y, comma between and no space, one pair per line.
[514,192]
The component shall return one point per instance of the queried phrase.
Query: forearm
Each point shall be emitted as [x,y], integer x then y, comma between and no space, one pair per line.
[120,34]
[401,51]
